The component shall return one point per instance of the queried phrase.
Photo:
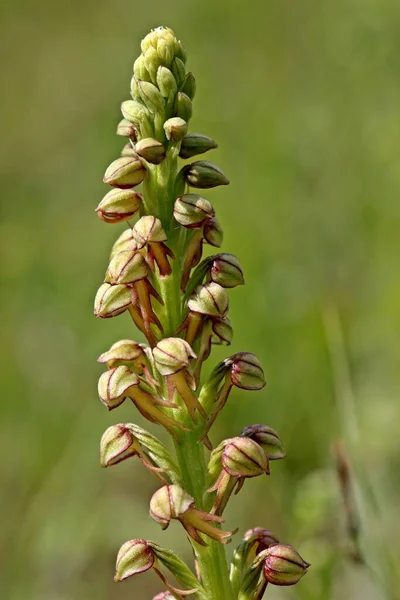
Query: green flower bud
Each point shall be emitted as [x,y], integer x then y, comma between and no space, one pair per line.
[128,150]
[163,40]
[166,82]
[172,355]
[209,299]
[189,86]
[204,174]
[112,300]
[127,267]
[117,444]
[246,371]
[123,351]
[148,229]
[135,89]
[178,71]
[283,565]
[192,210]
[196,143]
[226,270]
[242,457]
[134,111]
[183,107]
[113,385]
[126,129]
[267,438]
[175,129]
[125,241]
[134,557]
[119,205]
[152,61]
[213,232]
[180,51]
[125,172]
[151,150]
[151,96]
[140,70]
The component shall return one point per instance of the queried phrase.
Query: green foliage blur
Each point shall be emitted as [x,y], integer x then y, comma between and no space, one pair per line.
[303,98]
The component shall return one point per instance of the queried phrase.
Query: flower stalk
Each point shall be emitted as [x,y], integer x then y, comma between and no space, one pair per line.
[178,301]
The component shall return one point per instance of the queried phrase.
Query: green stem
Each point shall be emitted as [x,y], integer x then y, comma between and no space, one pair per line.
[159,191]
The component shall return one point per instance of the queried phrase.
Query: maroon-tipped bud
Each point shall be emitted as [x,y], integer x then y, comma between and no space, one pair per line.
[246,371]
[283,565]
[267,438]
[119,205]
[134,557]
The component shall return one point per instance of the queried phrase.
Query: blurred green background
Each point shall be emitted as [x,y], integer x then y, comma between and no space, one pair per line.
[303,98]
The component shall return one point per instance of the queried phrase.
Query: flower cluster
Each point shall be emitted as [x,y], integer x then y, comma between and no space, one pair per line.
[179,303]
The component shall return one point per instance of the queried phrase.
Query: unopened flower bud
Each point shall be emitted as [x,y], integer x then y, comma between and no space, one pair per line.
[183,107]
[114,383]
[180,51]
[213,232]
[246,371]
[133,111]
[267,438]
[140,70]
[175,129]
[209,299]
[119,205]
[226,270]
[128,150]
[117,444]
[172,355]
[151,150]
[283,565]
[192,210]
[178,71]
[134,557]
[204,174]
[222,331]
[125,172]
[126,129]
[125,241]
[196,143]
[148,229]
[260,539]
[122,351]
[189,86]
[164,596]
[111,300]
[242,457]
[166,82]
[126,267]
[151,96]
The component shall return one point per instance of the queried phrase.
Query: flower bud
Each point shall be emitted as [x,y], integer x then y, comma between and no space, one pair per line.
[133,111]
[204,174]
[172,355]
[166,82]
[189,86]
[134,557]
[164,596]
[192,210]
[123,351]
[117,444]
[152,61]
[209,299]
[148,229]
[151,150]
[119,205]
[226,270]
[125,241]
[140,70]
[111,300]
[242,457]
[125,172]
[260,538]
[126,129]
[151,96]
[178,71]
[127,266]
[175,129]
[267,438]
[169,502]
[114,383]
[196,143]
[180,51]
[246,371]
[213,232]
[222,331]
[283,565]
[183,107]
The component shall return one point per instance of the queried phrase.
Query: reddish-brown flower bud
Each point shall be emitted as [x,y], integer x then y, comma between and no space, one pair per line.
[267,438]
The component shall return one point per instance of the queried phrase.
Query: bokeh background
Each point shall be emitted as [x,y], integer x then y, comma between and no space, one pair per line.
[303,98]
